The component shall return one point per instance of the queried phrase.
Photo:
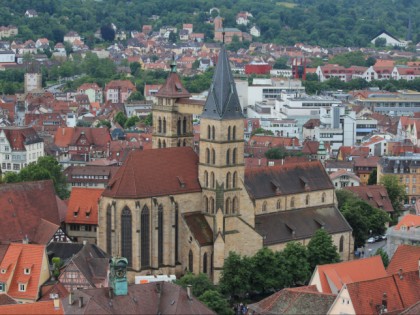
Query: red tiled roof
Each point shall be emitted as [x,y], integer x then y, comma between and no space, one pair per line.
[173,88]
[375,195]
[84,202]
[156,172]
[336,275]
[406,257]
[18,137]
[366,161]
[41,308]
[120,84]
[408,221]
[20,256]
[273,141]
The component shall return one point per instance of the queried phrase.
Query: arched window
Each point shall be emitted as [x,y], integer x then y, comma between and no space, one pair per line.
[190,261]
[176,232]
[164,143]
[159,144]
[160,235]
[234,156]
[208,156]
[205,263]
[235,205]
[208,132]
[109,230]
[145,237]
[228,180]
[206,204]
[264,206]
[160,125]
[212,184]
[178,126]
[213,132]
[307,200]
[211,205]
[184,126]
[292,202]
[213,156]
[228,133]
[206,179]
[323,197]
[227,206]
[164,125]
[228,157]
[126,235]
[278,206]
[234,179]
[234,133]
[341,247]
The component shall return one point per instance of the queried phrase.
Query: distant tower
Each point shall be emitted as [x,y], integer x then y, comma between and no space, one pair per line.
[410,30]
[218,23]
[299,68]
[33,80]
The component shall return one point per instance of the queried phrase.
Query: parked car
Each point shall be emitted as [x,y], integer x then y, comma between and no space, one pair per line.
[371,240]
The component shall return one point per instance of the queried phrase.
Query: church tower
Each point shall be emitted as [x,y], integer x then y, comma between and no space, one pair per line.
[171,128]
[221,160]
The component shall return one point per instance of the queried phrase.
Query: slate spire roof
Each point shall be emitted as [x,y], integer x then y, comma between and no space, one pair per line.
[222,101]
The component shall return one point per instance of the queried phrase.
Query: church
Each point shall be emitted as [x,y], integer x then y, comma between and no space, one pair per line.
[170,210]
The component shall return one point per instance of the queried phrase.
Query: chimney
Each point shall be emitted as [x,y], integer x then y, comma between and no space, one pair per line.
[71,298]
[80,301]
[189,292]
[56,303]
[400,274]
[25,240]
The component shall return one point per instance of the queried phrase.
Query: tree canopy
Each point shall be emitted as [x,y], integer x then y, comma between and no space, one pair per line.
[321,249]
[396,191]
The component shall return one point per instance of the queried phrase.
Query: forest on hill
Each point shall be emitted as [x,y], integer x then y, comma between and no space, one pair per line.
[317,22]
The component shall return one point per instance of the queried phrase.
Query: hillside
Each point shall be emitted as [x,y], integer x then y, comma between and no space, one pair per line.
[321,22]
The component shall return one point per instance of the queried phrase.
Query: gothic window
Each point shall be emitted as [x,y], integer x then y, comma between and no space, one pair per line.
[164,125]
[184,126]
[213,156]
[208,132]
[145,237]
[235,205]
[159,144]
[126,235]
[264,206]
[341,247]
[160,125]
[208,156]
[228,136]
[228,157]
[292,202]
[307,200]
[164,143]
[234,133]
[190,261]
[178,126]
[323,197]
[205,263]
[228,180]
[278,204]
[212,205]
[227,206]
[212,180]
[213,132]
[234,156]
[178,143]
[206,179]
[109,230]
[234,179]
[160,235]
[206,204]
[176,232]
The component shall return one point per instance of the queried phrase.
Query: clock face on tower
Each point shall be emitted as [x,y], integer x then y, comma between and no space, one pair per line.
[120,273]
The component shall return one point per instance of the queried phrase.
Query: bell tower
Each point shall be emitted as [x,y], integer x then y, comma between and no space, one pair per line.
[171,128]
[221,160]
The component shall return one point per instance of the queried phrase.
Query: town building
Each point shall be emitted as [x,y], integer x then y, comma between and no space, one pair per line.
[406,232]
[118,91]
[343,178]
[89,176]
[168,210]
[93,91]
[376,195]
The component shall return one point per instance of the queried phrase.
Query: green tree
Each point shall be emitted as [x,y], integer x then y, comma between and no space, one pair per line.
[135,68]
[281,63]
[136,96]
[148,120]
[172,37]
[214,300]
[266,271]
[103,123]
[131,122]
[107,32]
[321,249]
[236,275]
[295,254]
[373,177]
[276,153]
[396,191]
[384,256]
[262,131]
[380,42]
[200,283]
[120,118]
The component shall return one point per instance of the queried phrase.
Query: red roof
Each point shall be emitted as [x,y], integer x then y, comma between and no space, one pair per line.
[123,85]
[334,276]
[156,172]
[66,136]
[84,202]
[375,195]
[18,137]
[17,258]
[173,88]
[42,308]
[408,221]
[406,257]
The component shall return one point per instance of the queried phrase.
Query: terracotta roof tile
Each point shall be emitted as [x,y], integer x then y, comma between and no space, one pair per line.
[375,195]
[409,220]
[406,257]
[173,88]
[18,137]
[157,172]
[84,202]
[41,308]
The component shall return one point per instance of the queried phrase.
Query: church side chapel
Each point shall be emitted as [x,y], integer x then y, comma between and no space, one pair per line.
[169,210]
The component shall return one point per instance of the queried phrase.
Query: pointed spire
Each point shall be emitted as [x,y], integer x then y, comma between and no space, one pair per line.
[173,64]
[222,101]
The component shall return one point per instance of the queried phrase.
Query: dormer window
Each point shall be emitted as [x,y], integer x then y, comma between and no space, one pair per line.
[3,271]
[22,287]
[2,287]
[27,271]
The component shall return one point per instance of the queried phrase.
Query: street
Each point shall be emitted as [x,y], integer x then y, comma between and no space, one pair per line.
[371,248]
